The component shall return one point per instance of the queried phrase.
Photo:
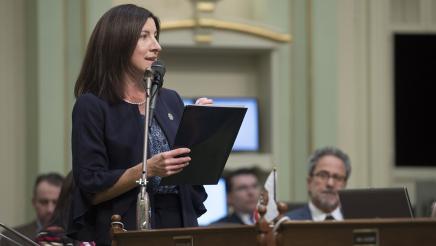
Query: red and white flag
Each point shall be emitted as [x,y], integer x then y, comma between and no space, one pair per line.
[271,207]
[271,188]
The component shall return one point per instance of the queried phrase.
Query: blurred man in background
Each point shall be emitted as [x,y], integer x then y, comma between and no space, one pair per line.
[45,195]
[243,191]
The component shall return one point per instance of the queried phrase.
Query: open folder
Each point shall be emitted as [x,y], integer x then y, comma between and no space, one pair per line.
[210,132]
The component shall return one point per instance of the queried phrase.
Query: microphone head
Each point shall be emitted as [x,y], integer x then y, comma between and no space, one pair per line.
[148,73]
[158,68]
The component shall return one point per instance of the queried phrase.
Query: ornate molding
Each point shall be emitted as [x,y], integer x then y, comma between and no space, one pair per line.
[206,6]
[226,25]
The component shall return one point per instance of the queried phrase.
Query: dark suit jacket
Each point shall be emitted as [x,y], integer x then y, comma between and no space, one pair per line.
[28,230]
[107,138]
[302,213]
[229,219]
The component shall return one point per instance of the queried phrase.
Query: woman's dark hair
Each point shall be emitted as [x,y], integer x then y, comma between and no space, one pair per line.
[61,212]
[109,50]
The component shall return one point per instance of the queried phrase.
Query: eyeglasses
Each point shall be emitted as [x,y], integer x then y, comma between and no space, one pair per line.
[325,176]
[245,188]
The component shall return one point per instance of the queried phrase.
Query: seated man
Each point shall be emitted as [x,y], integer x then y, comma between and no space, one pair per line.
[329,169]
[45,195]
[243,193]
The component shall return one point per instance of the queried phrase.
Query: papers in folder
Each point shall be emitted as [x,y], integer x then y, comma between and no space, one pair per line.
[210,132]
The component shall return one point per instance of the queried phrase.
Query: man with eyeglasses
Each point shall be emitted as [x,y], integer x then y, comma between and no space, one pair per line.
[329,169]
[243,191]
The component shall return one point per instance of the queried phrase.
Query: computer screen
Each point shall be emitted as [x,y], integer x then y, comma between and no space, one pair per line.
[216,203]
[188,101]
[375,203]
[413,88]
[248,136]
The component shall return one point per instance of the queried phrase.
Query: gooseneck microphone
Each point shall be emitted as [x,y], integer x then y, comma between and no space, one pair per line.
[153,79]
[158,69]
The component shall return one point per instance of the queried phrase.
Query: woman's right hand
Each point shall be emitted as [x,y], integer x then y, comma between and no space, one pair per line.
[168,163]
[162,164]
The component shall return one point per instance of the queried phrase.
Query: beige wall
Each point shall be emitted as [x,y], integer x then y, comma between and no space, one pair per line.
[330,86]
[12,110]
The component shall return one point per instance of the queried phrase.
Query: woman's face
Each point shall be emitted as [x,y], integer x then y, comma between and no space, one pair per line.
[148,48]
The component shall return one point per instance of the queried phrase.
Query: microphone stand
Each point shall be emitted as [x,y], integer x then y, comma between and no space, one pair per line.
[143,202]
[16,233]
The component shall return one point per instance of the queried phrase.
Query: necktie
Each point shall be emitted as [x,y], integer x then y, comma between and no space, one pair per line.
[329,217]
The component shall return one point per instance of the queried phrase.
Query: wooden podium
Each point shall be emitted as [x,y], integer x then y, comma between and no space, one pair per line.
[240,235]
[375,232]
[383,232]
[259,234]
[361,232]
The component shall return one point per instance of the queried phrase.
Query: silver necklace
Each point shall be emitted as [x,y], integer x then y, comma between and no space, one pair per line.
[135,103]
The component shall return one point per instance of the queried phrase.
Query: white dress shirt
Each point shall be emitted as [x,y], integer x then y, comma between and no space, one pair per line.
[318,215]
[247,219]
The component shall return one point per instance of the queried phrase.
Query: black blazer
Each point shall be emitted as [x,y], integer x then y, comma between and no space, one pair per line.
[229,219]
[107,138]
[302,213]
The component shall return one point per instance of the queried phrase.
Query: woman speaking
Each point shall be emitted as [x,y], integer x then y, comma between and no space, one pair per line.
[108,132]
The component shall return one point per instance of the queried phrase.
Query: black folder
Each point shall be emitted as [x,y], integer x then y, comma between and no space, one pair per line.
[210,132]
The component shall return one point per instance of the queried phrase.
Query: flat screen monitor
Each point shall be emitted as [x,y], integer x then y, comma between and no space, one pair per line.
[188,101]
[216,203]
[248,136]
[414,86]
[375,203]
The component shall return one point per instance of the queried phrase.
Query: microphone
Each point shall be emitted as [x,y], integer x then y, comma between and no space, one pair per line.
[16,234]
[158,69]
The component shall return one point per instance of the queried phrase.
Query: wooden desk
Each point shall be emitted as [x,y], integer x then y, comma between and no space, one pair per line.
[381,232]
[211,236]
[392,232]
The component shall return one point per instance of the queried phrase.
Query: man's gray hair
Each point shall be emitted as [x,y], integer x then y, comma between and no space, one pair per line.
[329,150]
